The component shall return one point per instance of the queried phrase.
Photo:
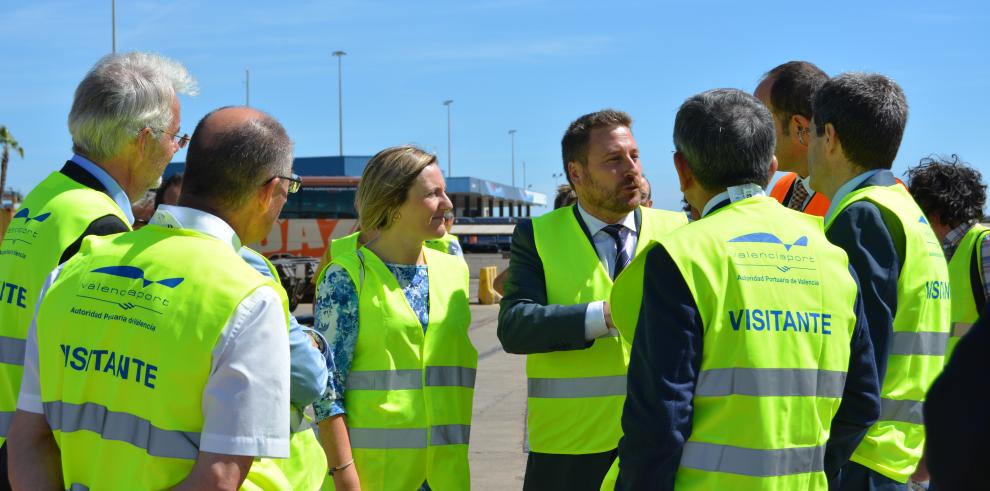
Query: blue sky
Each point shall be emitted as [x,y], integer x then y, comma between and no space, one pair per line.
[528,65]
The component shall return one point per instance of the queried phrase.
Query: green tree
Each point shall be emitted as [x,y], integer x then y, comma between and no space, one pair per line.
[8,143]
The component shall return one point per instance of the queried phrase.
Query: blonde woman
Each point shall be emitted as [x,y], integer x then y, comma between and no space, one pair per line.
[397,411]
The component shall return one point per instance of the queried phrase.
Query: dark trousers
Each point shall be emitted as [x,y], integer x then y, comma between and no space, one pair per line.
[4,483]
[550,472]
[855,477]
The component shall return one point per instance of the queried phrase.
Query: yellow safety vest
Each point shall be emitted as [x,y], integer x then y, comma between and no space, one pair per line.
[409,393]
[443,243]
[125,341]
[52,217]
[894,444]
[576,397]
[965,311]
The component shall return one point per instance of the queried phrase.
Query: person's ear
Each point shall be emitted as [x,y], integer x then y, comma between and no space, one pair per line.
[773,168]
[831,139]
[266,193]
[684,174]
[576,172]
[798,128]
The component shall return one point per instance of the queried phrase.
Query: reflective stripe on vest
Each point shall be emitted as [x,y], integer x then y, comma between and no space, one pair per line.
[12,350]
[919,343]
[411,379]
[6,417]
[904,411]
[894,445]
[770,382]
[752,461]
[392,438]
[576,396]
[78,487]
[123,427]
[577,387]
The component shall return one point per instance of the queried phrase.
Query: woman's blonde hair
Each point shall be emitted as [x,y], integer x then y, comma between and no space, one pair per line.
[385,184]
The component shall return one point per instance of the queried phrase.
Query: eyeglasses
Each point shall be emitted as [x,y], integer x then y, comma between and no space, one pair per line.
[803,133]
[181,140]
[295,182]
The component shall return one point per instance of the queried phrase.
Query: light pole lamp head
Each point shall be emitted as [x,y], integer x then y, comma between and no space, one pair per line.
[448,102]
[512,132]
[338,53]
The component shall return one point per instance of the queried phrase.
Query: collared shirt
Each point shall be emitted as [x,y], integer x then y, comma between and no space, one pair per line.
[594,318]
[847,188]
[114,190]
[247,390]
[732,194]
[951,243]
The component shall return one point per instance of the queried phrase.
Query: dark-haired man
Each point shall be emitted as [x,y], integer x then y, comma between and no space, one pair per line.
[175,372]
[952,195]
[562,268]
[788,90]
[857,126]
[751,367]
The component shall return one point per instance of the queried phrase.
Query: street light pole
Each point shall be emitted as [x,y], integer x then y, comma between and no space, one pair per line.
[450,158]
[340,98]
[113,26]
[512,135]
[247,87]
[524,174]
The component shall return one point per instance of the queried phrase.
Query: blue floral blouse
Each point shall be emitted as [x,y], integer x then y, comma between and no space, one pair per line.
[336,317]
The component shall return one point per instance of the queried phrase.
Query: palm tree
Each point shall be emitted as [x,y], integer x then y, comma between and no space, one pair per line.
[7,142]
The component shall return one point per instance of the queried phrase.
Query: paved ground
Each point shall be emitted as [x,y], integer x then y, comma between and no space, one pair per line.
[497,429]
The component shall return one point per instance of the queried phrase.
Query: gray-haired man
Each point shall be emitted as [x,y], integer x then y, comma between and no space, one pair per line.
[125,125]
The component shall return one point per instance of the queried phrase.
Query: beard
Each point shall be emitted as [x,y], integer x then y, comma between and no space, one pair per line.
[614,200]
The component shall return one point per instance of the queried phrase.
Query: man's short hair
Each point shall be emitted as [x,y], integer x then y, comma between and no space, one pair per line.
[793,90]
[173,180]
[727,137]
[226,168]
[948,188]
[574,144]
[869,113]
[120,96]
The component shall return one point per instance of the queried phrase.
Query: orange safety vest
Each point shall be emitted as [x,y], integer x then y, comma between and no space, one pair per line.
[817,205]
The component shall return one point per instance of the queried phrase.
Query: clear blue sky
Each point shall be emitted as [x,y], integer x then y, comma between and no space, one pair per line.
[529,65]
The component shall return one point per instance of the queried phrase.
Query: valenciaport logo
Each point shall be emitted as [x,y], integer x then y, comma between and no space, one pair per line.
[790,255]
[147,296]
[768,238]
[135,273]
[921,219]
[25,213]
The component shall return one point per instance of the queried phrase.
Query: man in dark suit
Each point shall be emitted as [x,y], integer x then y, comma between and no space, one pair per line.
[125,128]
[858,122]
[560,274]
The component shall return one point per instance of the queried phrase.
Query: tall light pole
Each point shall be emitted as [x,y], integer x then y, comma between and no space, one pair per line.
[524,174]
[113,26]
[450,159]
[340,98]
[512,135]
[247,87]
[556,179]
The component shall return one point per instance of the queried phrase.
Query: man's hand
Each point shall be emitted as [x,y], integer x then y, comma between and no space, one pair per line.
[612,331]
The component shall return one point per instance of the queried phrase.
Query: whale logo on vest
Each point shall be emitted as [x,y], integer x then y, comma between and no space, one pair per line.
[768,238]
[135,273]
[25,213]
[921,219]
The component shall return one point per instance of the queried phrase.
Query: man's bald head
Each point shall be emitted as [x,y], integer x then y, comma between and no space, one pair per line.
[233,151]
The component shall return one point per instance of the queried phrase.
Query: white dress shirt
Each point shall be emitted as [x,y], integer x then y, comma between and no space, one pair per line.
[246,398]
[605,246]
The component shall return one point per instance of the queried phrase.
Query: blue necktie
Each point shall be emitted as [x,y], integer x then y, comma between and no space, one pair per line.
[621,257]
